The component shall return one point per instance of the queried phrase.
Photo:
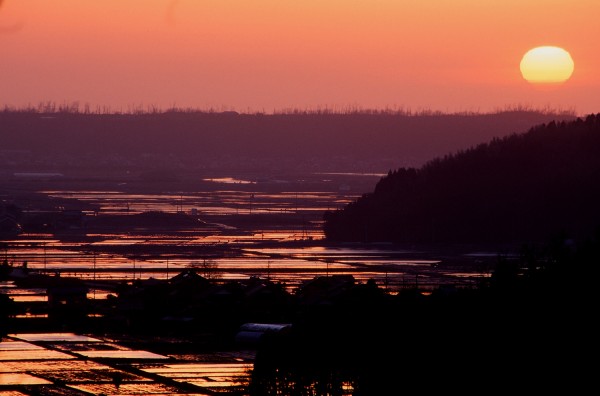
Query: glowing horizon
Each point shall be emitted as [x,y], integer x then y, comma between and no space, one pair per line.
[267,55]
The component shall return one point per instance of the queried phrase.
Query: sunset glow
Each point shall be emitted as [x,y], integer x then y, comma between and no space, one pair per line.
[267,55]
[282,197]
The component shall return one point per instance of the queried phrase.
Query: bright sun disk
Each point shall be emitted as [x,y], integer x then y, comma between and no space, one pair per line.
[547,65]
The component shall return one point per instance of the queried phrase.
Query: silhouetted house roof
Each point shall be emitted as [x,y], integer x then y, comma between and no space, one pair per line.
[188,276]
[230,291]
[251,333]
[256,288]
[9,225]
[324,288]
[70,219]
[66,291]
[188,285]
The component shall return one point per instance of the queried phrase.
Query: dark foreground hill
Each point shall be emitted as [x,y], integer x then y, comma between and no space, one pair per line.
[520,188]
[321,142]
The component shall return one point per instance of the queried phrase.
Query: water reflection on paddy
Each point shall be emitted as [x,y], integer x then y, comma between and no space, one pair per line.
[206,202]
[33,355]
[42,297]
[70,366]
[54,337]
[122,354]
[239,245]
[21,379]
[127,389]
[29,315]
[96,366]
[12,393]
[331,251]
[229,180]
[95,294]
[210,376]
[241,261]
[18,346]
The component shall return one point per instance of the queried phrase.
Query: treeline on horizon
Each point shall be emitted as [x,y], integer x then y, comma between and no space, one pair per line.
[50,107]
[323,140]
[517,189]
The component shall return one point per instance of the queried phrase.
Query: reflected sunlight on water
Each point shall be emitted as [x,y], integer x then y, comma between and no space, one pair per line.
[206,202]
[229,180]
[236,236]
[270,235]
[18,346]
[86,366]
[33,355]
[54,337]
[209,375]
[21,379]
[122,354]
[128,389]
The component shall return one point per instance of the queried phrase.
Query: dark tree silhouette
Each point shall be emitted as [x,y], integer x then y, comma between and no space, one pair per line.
[518,188]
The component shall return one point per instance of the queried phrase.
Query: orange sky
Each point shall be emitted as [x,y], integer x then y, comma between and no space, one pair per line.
[265,55]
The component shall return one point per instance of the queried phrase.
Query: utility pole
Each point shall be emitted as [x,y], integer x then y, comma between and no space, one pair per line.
[268,270]
[94,275]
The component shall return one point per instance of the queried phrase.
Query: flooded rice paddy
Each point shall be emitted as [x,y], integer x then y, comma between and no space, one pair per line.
[32,363]
[235,229]
[250,229]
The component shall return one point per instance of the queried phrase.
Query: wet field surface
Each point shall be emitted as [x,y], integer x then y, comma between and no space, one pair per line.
[223,228]
[74,364]
[227,228]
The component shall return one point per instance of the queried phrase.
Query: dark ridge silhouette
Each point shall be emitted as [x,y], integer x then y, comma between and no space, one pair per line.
[522,187]
[65,138]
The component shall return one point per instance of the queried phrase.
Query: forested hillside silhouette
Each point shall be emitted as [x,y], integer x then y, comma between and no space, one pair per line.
[520,188]
[320,141]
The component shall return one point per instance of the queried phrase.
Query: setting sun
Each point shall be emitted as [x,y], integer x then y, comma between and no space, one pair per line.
[547,65]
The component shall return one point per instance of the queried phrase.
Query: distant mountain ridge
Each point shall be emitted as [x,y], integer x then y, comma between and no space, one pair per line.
[519,188]
[361,141]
